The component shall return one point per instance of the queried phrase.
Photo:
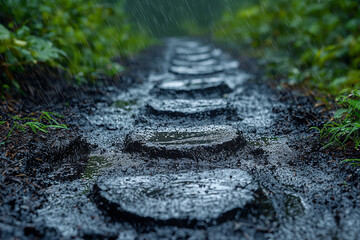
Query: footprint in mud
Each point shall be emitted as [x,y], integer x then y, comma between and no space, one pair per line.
[193,88]
[208,62]
[199,57]
[188,108]
[188,199]
[178,142]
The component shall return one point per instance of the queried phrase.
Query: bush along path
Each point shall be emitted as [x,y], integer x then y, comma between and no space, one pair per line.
[285,35]
[195,148]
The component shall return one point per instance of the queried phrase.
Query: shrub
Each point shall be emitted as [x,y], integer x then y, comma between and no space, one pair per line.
[80,36]
[345,128]
[314,43]
[303,41]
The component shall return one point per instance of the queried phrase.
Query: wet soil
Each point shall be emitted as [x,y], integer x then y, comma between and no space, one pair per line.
[187,154]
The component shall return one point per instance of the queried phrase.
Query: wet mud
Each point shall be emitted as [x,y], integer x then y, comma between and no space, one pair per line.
[186,152]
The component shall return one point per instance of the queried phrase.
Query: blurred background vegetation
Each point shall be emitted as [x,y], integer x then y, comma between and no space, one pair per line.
[163,18]
[301,41]
[79,36]
[314,44]
[82,37]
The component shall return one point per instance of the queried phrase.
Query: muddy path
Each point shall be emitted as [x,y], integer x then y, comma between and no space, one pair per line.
[199,148]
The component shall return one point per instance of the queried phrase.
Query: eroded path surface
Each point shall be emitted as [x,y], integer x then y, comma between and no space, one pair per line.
[201,150]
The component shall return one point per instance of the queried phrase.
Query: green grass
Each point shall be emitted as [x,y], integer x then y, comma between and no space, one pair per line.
[344,129]
[43,123]
[353,162]
[345,126]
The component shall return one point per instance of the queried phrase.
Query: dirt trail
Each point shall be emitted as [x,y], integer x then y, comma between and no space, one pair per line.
[200,148]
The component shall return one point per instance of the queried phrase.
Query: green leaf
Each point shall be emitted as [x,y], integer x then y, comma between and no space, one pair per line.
[63,126]
[354,103]
[339,113]
[5,34]
[350,160]
[19,43]
[44,50]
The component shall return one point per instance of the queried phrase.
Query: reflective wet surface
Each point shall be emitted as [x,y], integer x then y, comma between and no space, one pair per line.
[182,199]
[190,88]
[189,50]
[193,156]
[196,70]
[184,142]
[185,107]
[209,62]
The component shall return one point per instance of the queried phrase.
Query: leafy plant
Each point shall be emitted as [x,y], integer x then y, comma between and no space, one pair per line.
[346,124]
[313,43]
[80,36]
[20,48]
[302,41]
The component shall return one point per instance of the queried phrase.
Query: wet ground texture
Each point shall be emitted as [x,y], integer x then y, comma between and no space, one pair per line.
[198,148]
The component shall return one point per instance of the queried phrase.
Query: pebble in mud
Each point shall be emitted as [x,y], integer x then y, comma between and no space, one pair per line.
[196,70]
[186,199]
[188,108]
[177,142]
[193,87]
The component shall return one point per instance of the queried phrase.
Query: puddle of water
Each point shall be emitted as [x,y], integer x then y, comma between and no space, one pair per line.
[199,83]
[188,106]
[94,166]
[293,206]
[192,50]
[209,62]
[126,105]
[201,57]
[196,70]
[264,141]
[180,138]
[201,135]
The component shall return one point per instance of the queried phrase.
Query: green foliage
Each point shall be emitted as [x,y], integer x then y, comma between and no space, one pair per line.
[346,124]
[81,36]
[302,41]
[21,48]
[42,123]
[176,17]
[316,43]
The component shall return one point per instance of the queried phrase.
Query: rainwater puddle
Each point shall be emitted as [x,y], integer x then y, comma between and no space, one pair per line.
[126,105]
[94,167]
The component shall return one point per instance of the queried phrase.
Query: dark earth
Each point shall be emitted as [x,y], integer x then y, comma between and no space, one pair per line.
[189,143]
